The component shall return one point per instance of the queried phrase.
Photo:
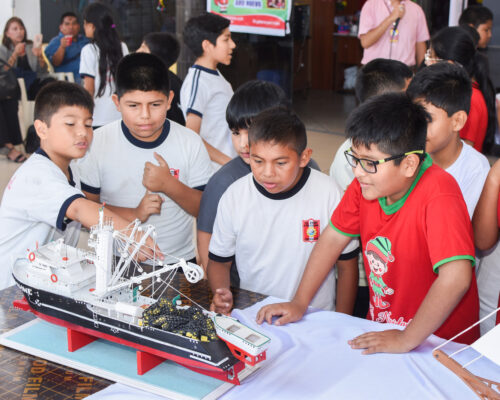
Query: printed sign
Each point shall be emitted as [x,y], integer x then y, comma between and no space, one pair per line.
[262,17]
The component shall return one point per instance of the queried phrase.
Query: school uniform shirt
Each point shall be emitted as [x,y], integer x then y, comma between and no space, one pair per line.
[71,59]
[272,235]
[33,211]
[477,120]
[114,167]
[470,170]
[104,109]
[428,227]
[206,93]
[412,29]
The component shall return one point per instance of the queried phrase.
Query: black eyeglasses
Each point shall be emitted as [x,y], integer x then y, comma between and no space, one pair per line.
[370,166]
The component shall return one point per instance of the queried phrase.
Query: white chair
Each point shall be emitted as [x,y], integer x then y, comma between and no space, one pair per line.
[63,76]
[26,109]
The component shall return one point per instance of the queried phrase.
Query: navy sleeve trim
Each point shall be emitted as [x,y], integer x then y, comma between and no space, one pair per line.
[350,255]
[62,221]
[200,188]
[90,189]
[87,75]
[194,88]
[216,258]
[191,111]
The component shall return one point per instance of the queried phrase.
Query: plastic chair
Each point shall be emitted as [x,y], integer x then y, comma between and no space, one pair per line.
[26,109]
[50,67]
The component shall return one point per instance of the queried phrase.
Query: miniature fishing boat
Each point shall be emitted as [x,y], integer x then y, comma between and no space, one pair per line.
[107,294]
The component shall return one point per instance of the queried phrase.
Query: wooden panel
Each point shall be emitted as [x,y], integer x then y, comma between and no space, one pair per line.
[322,15]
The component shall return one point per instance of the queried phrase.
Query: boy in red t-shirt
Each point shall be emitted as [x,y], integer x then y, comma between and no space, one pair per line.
[417,235]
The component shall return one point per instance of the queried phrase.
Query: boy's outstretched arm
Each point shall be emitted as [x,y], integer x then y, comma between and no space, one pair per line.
[87,213]
[157,178]
[347,285]
[203,241]
[218,279]
[193,122]
[485,219]
[445,293]
[150,204]
[324,255]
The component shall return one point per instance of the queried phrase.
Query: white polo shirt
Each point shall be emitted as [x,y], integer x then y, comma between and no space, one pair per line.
[114,167]
[33,210]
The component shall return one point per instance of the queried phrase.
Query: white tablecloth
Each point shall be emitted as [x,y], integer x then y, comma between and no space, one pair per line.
[311,359]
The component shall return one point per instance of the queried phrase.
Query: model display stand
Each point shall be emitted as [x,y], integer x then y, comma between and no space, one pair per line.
[488,346]
[107,294]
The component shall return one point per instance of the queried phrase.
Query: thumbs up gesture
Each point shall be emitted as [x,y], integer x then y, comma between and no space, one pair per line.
[156,177]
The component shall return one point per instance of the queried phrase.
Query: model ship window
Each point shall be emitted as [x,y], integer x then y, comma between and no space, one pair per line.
[233,328]
[252,338]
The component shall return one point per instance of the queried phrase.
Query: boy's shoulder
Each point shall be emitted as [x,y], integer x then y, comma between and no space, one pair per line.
[229,173]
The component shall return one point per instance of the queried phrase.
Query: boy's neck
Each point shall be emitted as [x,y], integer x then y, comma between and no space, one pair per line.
[61,162]
[207,62]
[445,158]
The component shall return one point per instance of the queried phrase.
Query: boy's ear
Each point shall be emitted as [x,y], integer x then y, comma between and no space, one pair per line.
[206,45]
[458,120]
[305,157]
[410,165]
[170,98]
[41,129]
[116,100]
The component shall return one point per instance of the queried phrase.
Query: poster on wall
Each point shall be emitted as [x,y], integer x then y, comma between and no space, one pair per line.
[262,17]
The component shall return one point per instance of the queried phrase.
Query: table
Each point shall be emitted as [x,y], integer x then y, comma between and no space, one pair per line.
[25,376]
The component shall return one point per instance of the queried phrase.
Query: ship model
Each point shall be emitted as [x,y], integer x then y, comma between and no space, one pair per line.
[107,294]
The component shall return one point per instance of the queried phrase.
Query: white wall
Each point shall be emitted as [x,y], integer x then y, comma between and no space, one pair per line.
[27,10]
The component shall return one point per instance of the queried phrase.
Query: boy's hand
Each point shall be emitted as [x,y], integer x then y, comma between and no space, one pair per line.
[390,341]
[148,250]
[150,204]
[222,301]
[156,176]
[288,312]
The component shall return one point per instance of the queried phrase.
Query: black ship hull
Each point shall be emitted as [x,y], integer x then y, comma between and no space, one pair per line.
[210,358]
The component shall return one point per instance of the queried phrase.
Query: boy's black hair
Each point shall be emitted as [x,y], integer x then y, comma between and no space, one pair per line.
[163,45]
[381,76]
[141,71]
[278,125]
[68,14]
[445,85]
[474,34]
[58,94]
[207,26]
[475,15]
[250,99]
[392,122]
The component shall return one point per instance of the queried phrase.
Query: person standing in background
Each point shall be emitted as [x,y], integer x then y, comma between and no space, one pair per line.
[393,29]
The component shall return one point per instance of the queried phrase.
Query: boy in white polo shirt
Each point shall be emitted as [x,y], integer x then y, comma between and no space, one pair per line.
[270,220]
[205,93]
[145,152]
[43,200]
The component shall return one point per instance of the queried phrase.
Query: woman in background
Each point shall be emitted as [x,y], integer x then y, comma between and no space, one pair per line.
[99,59]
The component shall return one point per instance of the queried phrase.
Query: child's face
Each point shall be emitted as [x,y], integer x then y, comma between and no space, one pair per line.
[376,265]
[69,134]
[240,143]
[276,167]
[440,131]
[89,29]
[389,180]
[144,113]
[222,52]
[484,31]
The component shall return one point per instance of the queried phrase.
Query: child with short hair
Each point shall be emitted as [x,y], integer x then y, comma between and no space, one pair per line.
[269,221]
[43,200]
[486,225]
[413,223]
[481,19]
[120,167]
[205,93]
[444,89]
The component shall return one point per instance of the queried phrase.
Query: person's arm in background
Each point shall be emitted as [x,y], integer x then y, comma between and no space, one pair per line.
[58,56]
[193,122]
[420,49]
[88,84]
[371,37]
[347,285]
[485,219]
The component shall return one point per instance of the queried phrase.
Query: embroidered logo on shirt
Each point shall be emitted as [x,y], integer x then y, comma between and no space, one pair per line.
[310,230]
[175,173]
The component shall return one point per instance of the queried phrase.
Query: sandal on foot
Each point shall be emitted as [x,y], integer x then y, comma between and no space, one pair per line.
[19,159]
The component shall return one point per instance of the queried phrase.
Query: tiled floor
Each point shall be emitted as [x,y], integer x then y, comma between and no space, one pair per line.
[323,113]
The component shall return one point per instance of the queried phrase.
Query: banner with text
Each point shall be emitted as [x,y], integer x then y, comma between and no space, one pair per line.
[263,17]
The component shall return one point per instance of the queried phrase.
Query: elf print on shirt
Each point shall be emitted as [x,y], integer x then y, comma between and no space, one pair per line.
[378,253]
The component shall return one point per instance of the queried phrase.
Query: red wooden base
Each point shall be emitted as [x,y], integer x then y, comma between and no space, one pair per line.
[77,340]
[147,361]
